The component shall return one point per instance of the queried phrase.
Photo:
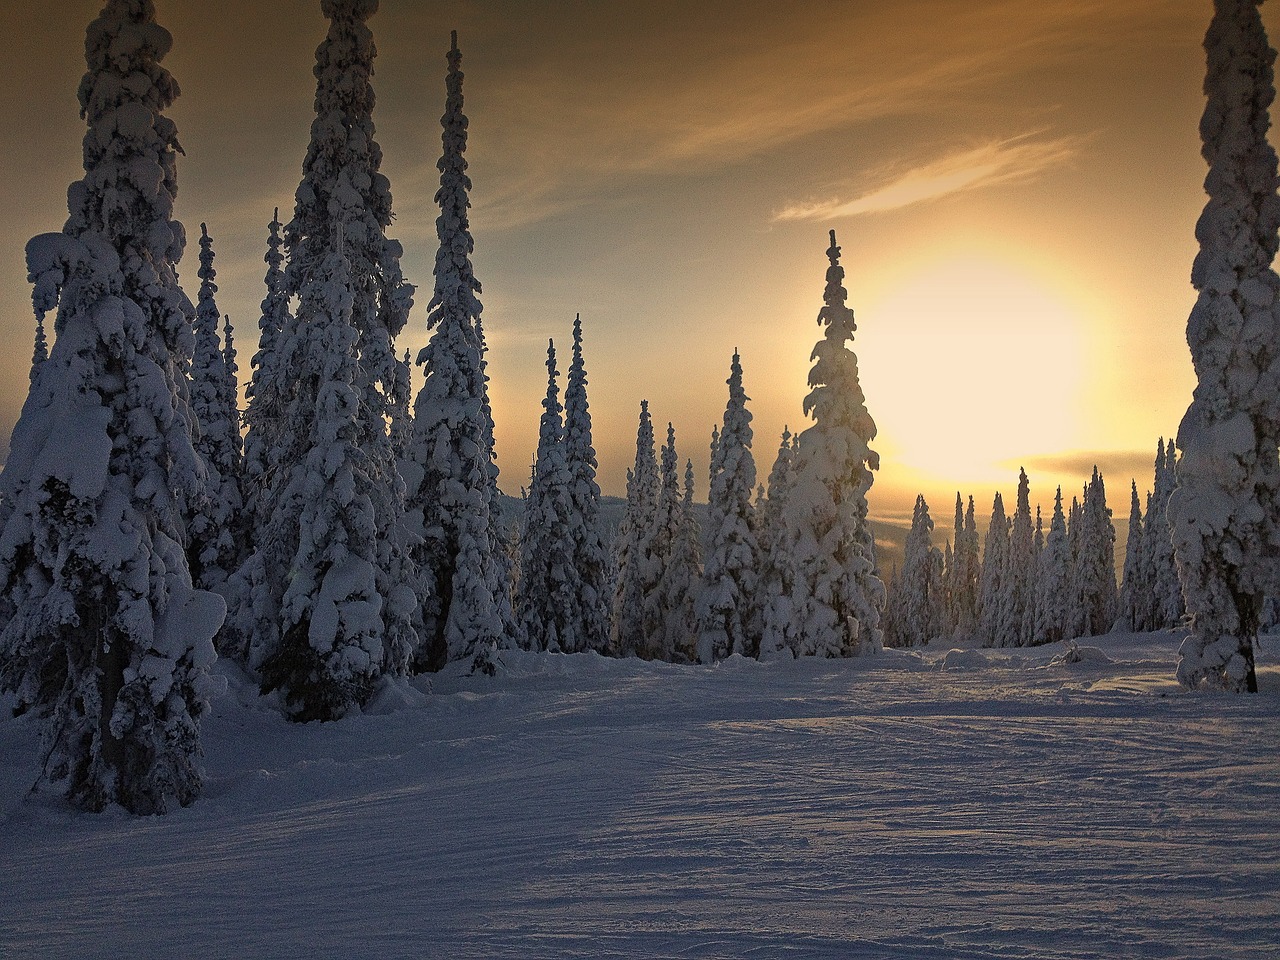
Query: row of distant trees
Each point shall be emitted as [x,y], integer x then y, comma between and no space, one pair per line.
[1027,587]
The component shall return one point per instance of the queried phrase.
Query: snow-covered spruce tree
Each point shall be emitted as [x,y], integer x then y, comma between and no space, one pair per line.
[637,567]
[777,574]
[401,416]
[101,632]
[1167,606]
[967,581]
[836,597]
[1074,625]
[548,595]
[591,563]
[1096,565]
[330,652]
[993,624]
[1055,600]
[214,520]
[271,385]
[662,598]
[1018,588]
[1135,589]
[919,588]
[681,580]
[1039,537]
[452,478]
[1225,512]
[728,606]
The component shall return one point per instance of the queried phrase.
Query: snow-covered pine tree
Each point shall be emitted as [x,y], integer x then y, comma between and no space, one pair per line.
[1135,590]
[101,632]
[1096,566]
[1167,606]
[452,480]
[401,416]
[663,597]
[681,580]
[591,562]
[728,605]
[548,596]
[919,605]
[714,462]
[1055,600]
[993,624]
[967,581]
[214,520]
[777,631]
[836,597]
[1018,596]
[1225,512]
[1039,538]
[330,652]
[637,567]
[270,388]
[1075,623]
[945,626]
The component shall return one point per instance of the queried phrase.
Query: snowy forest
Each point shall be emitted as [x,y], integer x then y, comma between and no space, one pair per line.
[342,529]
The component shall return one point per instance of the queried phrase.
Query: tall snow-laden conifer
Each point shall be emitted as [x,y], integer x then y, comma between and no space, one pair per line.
[638,568]
[549,594]
[1225,513]
[967,581]
[1096,564]
[1055,600]
[728,606]
[681,580]
[836,597]
[1135,588]
[777,577]
[40,352]
[1167,607]
[919,588]
[342,210]
[101,632]
[668,592]
[270,386]
[214,522]
[591,562]
[993,625]
[1018,596]
[452,479]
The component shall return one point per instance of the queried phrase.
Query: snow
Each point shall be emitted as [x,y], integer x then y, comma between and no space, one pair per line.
[577,806]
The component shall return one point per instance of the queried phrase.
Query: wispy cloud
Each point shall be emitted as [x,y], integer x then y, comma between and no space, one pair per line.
[1014,160]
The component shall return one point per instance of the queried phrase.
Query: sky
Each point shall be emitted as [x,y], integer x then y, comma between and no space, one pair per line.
[1014,185]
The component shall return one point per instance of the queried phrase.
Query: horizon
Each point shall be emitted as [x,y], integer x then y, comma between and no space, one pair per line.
[993,198]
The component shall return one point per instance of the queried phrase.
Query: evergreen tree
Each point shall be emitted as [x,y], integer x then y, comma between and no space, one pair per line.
[270,388]
[659,604]
[101,632]
[1096,567]
[1167,607]
[213,551]
[637,567]
[548,597]
[1055,601]
[1018,596]
[401,412]
[1074,625]
[453,479]
[728,612]
[836,597]
[993,624]
[1135,588]
[1225,513]
[681,578]
[919,589]
[40,352]
[330,652]
[967,581]
[777,577]
[591,562]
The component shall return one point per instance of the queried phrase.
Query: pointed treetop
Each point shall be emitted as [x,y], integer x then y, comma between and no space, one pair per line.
[453,41]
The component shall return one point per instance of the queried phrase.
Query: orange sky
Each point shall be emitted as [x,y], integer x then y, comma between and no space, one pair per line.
[1014,184]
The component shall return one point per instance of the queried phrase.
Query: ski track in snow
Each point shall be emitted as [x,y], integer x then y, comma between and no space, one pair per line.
[586,808]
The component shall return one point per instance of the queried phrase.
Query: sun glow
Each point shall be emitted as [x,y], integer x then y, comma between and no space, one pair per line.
[971,364]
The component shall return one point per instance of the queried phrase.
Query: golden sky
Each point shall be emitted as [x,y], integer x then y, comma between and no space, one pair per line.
[1014,184]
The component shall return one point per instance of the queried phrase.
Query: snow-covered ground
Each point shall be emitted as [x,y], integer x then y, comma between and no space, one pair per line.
[916,804]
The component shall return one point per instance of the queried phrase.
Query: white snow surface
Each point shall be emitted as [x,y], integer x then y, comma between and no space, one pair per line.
[576,806]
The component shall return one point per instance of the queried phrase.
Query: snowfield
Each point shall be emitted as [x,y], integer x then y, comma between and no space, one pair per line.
[972,804]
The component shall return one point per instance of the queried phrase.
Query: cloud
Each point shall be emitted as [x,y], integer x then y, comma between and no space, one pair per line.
[1120,466]
[1015,160]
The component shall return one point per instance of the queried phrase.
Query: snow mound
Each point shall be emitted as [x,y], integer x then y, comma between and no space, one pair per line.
[958,659]
[1078,654]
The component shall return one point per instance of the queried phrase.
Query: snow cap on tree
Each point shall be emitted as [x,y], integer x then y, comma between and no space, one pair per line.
[637,565]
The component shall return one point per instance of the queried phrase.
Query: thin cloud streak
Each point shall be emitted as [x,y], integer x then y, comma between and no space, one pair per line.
[1015,160]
